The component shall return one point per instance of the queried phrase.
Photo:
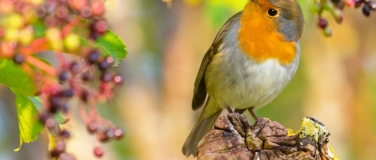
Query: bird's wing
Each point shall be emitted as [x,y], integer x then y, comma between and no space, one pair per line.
[199,93]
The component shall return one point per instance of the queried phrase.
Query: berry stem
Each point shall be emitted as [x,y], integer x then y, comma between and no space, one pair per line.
[62,61]
[36,46]
[41,65]
[83,115]
[67,28]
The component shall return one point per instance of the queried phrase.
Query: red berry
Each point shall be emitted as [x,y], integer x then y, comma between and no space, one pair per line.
[322,23]
[85,96]
[87,76]
[102,136]
[98,151]
[105,87]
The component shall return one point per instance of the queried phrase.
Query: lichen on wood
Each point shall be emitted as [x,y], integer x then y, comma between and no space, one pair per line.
[233,138]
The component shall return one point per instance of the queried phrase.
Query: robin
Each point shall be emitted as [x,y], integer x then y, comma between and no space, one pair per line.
[252,59]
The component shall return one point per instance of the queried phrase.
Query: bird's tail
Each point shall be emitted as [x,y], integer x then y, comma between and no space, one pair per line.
[202,126]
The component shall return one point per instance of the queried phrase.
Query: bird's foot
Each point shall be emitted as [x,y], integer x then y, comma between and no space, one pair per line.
[252,112]
[229,109]
[241,125]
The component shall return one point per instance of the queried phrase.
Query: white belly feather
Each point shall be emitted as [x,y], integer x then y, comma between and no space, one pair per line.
[235,80]
[232,79]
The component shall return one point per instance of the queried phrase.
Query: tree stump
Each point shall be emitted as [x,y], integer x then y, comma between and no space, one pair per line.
[233,138]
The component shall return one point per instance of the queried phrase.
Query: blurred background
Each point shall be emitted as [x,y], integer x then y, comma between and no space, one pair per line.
[335,82]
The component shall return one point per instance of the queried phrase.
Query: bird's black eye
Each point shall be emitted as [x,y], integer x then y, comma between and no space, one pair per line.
[272,12]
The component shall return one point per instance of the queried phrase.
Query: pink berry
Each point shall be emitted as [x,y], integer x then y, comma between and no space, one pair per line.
[118,79]
[77,4]
[97,8]
[101,26]
[92,127]
[118,133]
[350,3]
[85,12]
[62,12]
[98,151]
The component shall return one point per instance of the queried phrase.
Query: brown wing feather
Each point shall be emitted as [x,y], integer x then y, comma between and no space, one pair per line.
[200,94]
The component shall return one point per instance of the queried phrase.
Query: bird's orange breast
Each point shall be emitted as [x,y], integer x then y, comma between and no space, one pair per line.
[259,39]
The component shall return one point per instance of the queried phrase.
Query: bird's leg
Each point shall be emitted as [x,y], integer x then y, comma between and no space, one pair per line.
[240,111]
[228,109]
[250,110]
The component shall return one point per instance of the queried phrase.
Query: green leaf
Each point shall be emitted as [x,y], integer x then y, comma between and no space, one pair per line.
[59,118]
[28,123]
[83,42]
[13,76]
[42,59]
[39,29]
[112,45]
[36,102]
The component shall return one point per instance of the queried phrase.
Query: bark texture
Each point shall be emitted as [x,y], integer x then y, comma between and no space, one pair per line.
[233,138]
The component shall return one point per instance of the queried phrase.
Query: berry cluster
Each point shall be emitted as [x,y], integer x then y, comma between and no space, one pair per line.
[368,5]
[74,79]
[335,7]
[87,76]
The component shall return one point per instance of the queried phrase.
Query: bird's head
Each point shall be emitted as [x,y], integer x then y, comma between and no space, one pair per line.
[283,16]
[270,29]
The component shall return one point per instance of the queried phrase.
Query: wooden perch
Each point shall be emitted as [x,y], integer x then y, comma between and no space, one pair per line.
[233,138]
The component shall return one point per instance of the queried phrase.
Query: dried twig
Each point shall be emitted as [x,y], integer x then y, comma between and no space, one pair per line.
[233,138]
